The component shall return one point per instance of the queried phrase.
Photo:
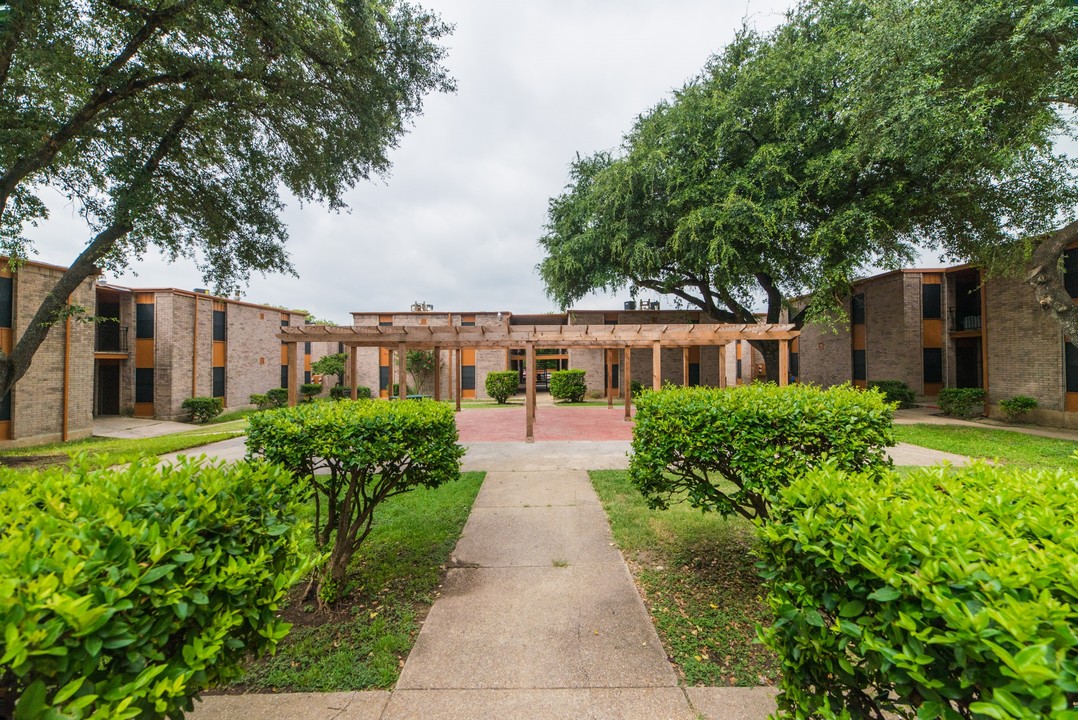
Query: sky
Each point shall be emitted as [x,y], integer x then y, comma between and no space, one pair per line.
[456,223]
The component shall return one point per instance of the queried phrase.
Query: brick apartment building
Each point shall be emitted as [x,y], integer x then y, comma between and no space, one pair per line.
[949,327]
[52,401]
[701,364]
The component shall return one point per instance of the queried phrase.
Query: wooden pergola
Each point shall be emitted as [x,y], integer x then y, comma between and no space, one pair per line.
[618,338]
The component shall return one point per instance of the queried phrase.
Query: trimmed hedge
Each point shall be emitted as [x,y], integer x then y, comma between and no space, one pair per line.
[502,385]
[730,450]
[356,455]
[277,397]
[1016,408]
[568,385]
[944,593]
[344,392]
[894,391]
[310,390]
[203,409]
[960,402]
[124,592]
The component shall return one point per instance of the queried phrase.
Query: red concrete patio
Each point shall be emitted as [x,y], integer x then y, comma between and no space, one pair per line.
[551,424]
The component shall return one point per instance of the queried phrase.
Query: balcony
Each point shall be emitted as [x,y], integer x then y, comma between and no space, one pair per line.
[963,322]
[111,338]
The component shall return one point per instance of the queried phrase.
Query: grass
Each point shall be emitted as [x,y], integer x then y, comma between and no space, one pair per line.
[698,579]
[1004,446]
[121,450]
[364,642]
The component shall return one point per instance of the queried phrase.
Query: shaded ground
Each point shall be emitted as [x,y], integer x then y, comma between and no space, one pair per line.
[551,424]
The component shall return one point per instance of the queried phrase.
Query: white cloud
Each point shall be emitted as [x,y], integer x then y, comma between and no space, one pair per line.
[457,221]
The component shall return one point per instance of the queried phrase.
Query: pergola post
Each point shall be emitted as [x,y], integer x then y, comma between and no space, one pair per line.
[458,382]
[627,382]
[353,368]
[529,410]
[293,363]
[685,366]
[722,365]
[656,365]
[609,378]
[784,362]
[402,369]
[437,373]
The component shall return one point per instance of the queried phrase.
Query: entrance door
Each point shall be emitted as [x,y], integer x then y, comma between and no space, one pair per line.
[108,388]
[967,366]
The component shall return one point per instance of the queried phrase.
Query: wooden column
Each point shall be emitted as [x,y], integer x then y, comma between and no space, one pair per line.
[627,382]
[437,373]
[457,384]
[353,367]
[784,362]
[722,365]
[609,378]
[293,363]
[402,370]
[529,410]
[656,365]
[684,367]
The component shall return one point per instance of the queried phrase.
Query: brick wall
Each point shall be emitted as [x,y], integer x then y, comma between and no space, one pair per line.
[893,329]
[37,399]
[254,353]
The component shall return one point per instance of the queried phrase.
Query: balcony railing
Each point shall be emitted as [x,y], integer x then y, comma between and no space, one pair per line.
[961,322]
[111,338]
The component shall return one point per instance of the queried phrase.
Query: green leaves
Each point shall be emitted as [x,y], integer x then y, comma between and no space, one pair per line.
[568,385]
[732,450]
[945,592]
[126,591]
[502,385]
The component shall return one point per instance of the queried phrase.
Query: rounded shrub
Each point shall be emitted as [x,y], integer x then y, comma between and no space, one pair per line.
[310,390]
[895,391]
[961,402]
[203,409]
[277,397]
[502,385]
[344,392]
[568,385]
[1016,408]
[126,591]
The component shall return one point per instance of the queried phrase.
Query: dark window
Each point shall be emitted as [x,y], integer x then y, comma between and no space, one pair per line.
[467,377]
[857,309]
[306,376]
[467,323]
[1070,272]
[1071,354]
[931,306]
[694,374]
[5,407]
[144,320]
[218,382]
[614,376]
[284,323]
[284,376]
[144,385]
[385,323]
[933,358]
[220,325]
[737,372]
[7,288]
[860,372]
[108,328]
[383,378]
[306,348]
[340,347]
[795,367]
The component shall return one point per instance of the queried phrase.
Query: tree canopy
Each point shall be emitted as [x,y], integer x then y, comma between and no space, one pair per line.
[846,138]
[177,125]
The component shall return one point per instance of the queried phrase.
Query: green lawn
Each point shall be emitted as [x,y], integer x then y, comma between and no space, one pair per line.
[119,450]
[699,582]
[364,642]
[1005,446]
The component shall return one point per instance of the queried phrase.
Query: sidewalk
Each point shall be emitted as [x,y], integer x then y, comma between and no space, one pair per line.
[932,416]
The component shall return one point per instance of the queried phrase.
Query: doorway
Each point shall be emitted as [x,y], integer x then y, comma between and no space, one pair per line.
[108,387]
[967,363]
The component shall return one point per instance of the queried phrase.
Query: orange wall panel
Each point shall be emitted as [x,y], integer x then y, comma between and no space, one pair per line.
[932,333]
[219,353]
[144,352]
[858,333]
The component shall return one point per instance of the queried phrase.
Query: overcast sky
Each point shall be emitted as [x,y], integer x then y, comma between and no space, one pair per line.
[456,223]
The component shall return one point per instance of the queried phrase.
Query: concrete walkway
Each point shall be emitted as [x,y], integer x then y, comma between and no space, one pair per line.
[116,426]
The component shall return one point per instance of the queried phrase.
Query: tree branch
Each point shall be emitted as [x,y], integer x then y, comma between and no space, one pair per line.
[774,296]
[1047,281]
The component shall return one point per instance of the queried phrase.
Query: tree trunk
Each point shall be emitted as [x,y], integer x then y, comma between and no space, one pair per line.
[1047,281]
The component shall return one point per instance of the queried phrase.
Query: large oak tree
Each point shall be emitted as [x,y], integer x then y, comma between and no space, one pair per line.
[175,125]
[770,175]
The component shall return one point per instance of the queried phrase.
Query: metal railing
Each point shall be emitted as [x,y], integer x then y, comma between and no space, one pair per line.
[960,322]
[110,338]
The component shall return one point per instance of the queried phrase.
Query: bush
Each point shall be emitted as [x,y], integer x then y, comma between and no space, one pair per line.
[397,389]
[277,397]
[203,409]
[502,385]
[944,593]
[310,390]
[344,392]
[259,400]
[895,391]
[1016,408]
[730,450]
[637,388]
[330,365]
[126,591]
[355,455]
[568,385]
[960,402]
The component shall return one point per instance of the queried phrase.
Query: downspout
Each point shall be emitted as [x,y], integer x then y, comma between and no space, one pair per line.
[67,371]
[194,354]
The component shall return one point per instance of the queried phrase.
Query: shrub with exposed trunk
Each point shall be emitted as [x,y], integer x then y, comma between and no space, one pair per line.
[502,385]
